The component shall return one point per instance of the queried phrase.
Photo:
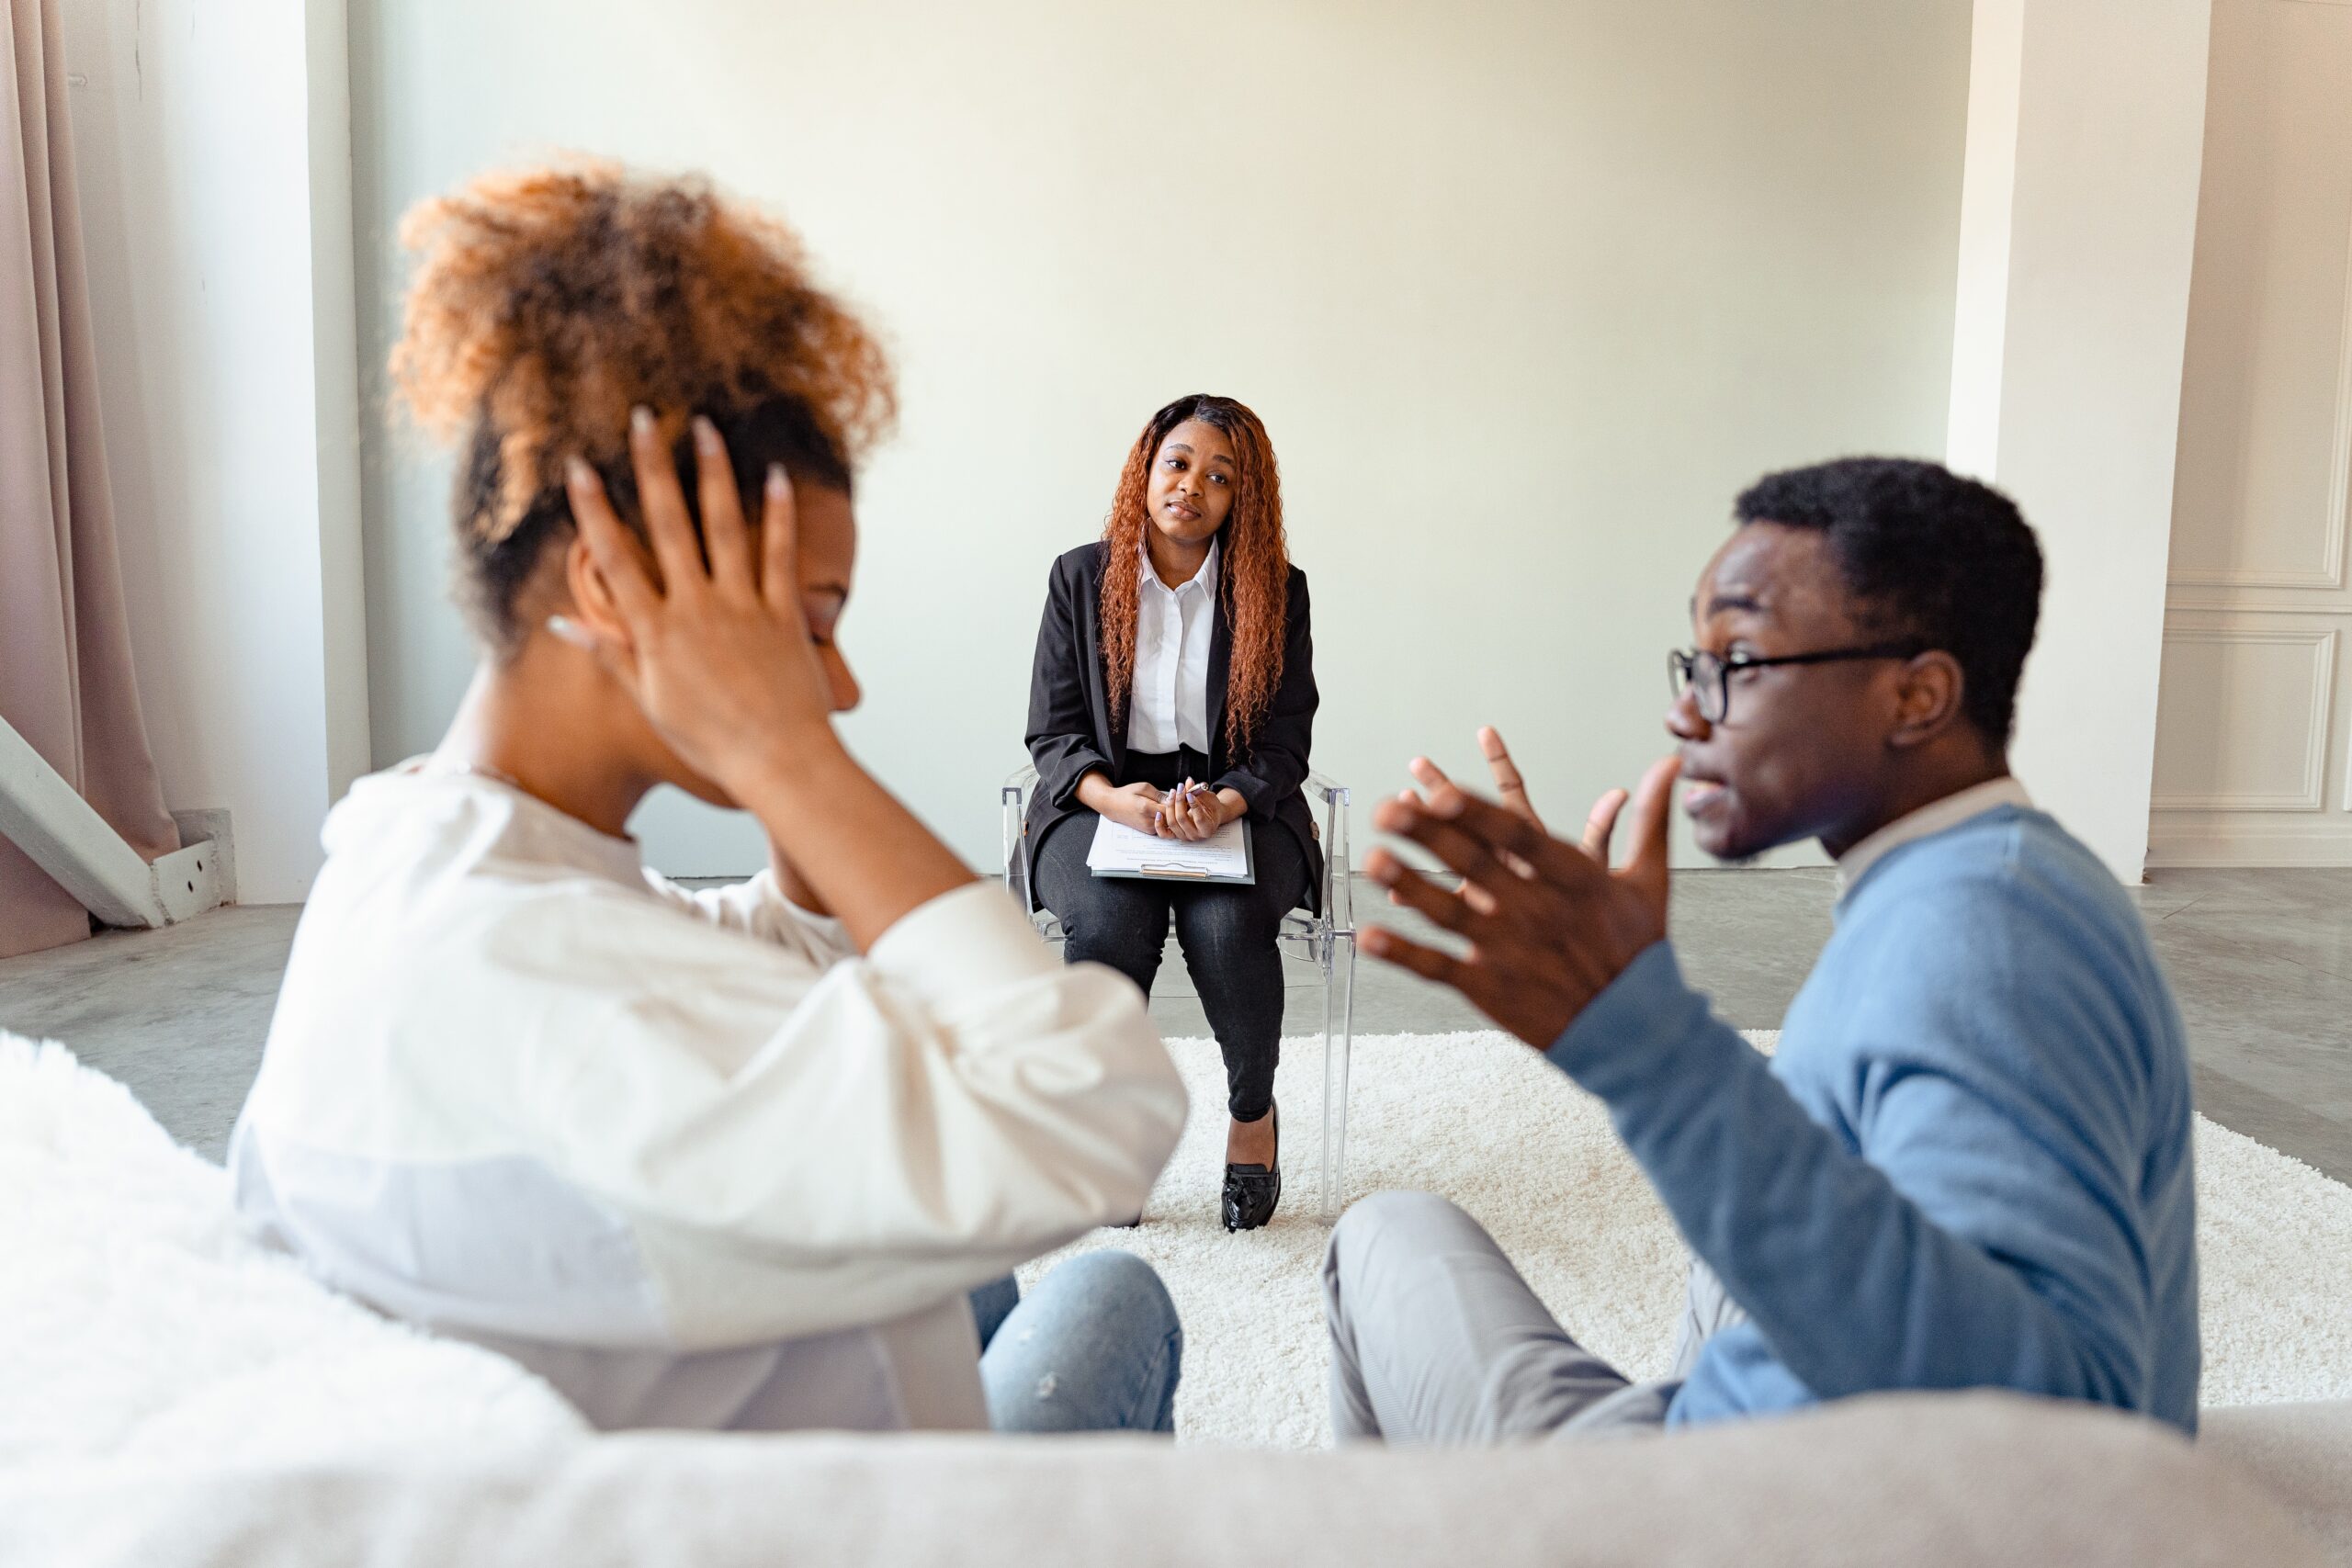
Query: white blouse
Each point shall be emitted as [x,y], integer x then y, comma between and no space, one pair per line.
[1169,706]
[686,1155]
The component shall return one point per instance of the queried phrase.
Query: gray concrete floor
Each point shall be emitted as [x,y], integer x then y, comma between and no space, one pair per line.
[2262,961]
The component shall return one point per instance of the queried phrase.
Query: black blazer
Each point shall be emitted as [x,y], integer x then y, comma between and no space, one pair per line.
[1071,733]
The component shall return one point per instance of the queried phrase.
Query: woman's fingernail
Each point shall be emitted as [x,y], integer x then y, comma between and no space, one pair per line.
[565,629]
[779,483]
[707,437]
[640,419]
[577,473]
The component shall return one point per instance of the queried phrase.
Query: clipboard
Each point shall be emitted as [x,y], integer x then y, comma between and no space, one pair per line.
[1164,860]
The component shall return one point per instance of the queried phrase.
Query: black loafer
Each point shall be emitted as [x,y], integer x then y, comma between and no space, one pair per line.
[1252,1190]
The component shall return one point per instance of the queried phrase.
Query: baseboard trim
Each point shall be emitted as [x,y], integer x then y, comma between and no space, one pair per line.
[2248,849]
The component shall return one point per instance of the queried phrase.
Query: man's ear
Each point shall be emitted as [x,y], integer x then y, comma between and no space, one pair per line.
[592,596]
[1928,698]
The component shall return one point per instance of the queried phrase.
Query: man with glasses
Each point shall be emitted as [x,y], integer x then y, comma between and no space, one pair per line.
[1967,1166]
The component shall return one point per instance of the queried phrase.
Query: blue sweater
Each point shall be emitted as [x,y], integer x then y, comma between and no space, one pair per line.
[1967,1166]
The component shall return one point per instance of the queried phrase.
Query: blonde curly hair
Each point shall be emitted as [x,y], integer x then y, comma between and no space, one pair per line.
[548,302]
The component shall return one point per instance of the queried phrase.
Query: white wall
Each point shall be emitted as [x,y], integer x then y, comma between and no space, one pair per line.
[2254,734]
[1524,292]
[2085,121]
[213,162]
[1988,199]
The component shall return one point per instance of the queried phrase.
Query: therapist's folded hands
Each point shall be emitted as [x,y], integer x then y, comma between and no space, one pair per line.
[1549,925]
[1193,812]
[1190,812]
[1196,812]
[1137,806]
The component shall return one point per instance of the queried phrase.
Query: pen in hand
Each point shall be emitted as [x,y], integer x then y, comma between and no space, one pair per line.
[1181,796]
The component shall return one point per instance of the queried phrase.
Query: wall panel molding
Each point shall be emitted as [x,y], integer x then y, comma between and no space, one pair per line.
[2254,738]
[2310,795]
[2348,772]
[2244,602]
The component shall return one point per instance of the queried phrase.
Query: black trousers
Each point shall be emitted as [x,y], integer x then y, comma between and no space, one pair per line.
[1227,933]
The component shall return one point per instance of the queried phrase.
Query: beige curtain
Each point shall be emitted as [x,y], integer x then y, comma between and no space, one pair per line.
[64,637]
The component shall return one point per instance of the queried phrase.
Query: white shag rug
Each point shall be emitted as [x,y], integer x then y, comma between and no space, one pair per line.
[140,1321]
[1483,1120]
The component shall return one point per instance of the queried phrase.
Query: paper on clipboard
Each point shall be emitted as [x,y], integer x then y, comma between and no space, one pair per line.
[1120,851]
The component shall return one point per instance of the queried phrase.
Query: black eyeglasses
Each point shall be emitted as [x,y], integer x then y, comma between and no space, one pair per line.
[1709,674]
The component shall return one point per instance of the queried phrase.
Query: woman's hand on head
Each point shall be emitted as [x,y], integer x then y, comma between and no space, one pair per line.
[718,656]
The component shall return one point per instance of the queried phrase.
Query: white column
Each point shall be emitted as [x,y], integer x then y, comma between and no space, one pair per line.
[2078,221]
[214,163]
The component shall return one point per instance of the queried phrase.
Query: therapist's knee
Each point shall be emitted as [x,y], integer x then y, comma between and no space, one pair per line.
[1125,930]
[1225,928]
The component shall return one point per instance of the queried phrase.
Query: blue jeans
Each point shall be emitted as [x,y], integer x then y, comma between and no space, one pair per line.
[1096,1348]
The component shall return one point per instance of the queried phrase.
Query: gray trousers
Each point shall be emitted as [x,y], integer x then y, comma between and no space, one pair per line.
[1436,1340]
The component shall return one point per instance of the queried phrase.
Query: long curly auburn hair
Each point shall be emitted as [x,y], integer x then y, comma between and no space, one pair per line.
[1253,563]
[547,302]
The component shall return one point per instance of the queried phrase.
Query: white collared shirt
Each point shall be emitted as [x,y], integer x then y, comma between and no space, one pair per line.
[688,1156]
[1932,818]
[1169,706]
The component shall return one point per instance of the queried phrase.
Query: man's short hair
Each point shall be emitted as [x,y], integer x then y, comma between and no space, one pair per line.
[1926,555]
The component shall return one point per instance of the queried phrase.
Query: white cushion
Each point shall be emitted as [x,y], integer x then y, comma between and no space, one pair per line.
[1969,1479]
[139,1321]
[176,1394]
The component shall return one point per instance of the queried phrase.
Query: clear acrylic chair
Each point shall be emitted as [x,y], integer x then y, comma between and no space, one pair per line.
[1327,939]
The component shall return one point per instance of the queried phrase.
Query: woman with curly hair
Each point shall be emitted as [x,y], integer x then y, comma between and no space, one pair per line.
[1174,692]
[726,1158]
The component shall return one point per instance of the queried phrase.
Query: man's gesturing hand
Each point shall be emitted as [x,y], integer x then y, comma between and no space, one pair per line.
[1549,924]
[1598,828]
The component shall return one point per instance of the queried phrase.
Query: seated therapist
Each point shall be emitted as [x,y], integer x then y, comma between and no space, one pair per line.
[1173,693]
[721,1159]
[1969,1163]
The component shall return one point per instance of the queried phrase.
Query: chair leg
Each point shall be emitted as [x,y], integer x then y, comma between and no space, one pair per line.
[1338,997]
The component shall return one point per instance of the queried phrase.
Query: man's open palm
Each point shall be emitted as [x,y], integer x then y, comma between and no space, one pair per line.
[1548,923]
